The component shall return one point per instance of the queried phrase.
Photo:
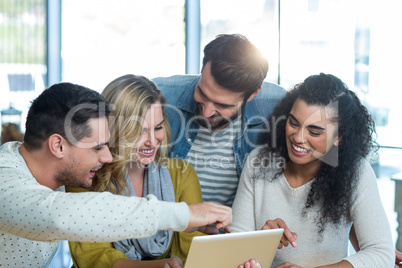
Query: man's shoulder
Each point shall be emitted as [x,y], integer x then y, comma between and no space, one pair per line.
[177,82]
[9,152]
[264,103]
[13,170]
[178,90]
[271,91]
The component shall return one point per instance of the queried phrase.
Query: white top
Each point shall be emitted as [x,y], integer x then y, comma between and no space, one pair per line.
[36,212]
[260,199]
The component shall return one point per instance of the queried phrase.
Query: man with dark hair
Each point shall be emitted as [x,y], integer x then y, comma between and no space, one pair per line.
[216,117]
[66,141]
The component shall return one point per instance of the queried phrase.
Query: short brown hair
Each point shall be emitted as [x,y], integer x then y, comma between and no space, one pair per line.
[236,64]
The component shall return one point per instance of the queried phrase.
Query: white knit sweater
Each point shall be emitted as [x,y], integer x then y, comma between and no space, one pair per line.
[260,199]
[29,210]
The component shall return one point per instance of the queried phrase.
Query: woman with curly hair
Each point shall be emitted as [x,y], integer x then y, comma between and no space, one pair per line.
[313,180]
[138,142]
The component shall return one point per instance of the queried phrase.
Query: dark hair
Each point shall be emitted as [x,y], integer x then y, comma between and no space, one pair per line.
[64,109]
[236,64]
[333,186]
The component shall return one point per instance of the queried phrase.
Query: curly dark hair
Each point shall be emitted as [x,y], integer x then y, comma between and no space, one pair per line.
[333,186]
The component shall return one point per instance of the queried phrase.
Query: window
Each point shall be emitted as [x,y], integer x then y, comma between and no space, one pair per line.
[102,40]
[256,19]
[22,53]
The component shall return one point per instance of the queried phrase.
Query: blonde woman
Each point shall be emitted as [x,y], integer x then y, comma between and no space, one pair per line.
[139,139]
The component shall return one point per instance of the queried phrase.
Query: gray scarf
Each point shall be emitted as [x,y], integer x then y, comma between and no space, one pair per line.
[157,181]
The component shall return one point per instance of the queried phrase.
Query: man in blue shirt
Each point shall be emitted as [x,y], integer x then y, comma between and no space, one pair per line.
[216,117]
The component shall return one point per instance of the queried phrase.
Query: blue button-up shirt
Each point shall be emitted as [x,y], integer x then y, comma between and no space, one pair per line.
[182,111]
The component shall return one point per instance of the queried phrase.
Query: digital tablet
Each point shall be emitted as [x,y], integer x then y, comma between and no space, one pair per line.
[233,249]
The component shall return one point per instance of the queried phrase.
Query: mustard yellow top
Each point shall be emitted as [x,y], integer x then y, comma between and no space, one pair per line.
[186,188]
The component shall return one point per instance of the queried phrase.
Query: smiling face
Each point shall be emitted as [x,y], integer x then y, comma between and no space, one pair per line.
[87,156]
[217,105]
[310,133]
[151,137]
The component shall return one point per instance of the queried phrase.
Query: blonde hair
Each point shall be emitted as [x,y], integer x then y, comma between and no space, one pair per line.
[130,97]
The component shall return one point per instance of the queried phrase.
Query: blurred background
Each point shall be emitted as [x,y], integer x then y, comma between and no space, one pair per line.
[91,42]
